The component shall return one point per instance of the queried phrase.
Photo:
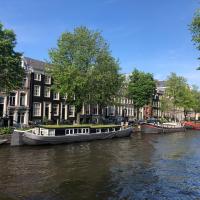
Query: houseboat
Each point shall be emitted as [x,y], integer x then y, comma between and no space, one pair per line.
[162,128]
[68,134]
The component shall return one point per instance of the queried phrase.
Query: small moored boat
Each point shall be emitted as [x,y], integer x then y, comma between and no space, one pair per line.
[192,125]
[163,128]
[3,141]
[67,134]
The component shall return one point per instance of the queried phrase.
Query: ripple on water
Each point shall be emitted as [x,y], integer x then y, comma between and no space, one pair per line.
[141,167]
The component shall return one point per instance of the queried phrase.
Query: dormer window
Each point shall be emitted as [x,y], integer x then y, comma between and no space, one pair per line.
[37,77]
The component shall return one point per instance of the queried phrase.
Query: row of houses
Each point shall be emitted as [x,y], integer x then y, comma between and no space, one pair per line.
[35,102]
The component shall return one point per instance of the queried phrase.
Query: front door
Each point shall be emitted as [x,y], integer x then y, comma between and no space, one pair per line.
[47,110]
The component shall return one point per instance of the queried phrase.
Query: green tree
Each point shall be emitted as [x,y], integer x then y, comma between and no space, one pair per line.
[186,100]
[141,87]
[195,30]
[165,105]
[82,67]
[196,99]
[179,92]
[104,81]
[11,73]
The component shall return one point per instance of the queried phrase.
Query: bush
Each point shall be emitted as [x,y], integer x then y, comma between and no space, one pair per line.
[6,130]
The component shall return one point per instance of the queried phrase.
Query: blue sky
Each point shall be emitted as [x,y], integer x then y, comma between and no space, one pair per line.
[151,35]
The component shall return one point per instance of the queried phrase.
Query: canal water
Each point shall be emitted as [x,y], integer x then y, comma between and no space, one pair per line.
[142,167]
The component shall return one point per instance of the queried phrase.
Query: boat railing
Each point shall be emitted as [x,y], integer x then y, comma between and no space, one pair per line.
[171,125]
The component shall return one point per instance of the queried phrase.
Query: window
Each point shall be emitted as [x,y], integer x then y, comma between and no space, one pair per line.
[47,79]
[87,109]
[36,109]
[47,91]
[36,90]
[12,99]
[20,118]
[95,110]
[22,99]
[37,77]
[56,96]
[71,111]
[65,97]
[25,81]
[55,109]
[1,100]
[112,111]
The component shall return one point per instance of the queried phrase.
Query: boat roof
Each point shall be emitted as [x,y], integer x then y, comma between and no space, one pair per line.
[78,126]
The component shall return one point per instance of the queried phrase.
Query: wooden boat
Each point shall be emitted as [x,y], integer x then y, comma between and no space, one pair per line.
[192,125]
[67,134]
[3,141]
[163,128]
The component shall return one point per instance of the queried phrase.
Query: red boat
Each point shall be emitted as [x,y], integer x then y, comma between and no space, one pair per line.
[192,125]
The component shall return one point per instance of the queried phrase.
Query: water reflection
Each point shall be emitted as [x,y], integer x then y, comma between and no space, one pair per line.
[140,167]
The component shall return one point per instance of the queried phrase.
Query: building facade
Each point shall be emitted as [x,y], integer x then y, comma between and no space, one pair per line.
[36,103]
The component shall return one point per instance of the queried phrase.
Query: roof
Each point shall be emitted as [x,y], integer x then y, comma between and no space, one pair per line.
[35,64]
[161,83]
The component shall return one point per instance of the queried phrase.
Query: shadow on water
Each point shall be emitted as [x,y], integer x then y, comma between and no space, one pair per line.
[140,167]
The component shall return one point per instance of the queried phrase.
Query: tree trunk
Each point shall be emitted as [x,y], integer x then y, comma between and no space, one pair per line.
[138,110]
[78,117]
[174,113]
[185,115]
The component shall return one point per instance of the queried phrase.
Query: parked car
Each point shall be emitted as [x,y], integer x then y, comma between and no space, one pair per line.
[153,120]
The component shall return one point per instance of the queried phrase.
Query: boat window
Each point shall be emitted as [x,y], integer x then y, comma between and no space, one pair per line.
[79,130]
[36,131]
[66,131]
[75,131]
[42,131]
[117,129]
[71,131]
[51,132]
[98,130]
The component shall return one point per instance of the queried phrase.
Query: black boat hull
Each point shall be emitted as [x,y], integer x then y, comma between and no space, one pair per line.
[33,139]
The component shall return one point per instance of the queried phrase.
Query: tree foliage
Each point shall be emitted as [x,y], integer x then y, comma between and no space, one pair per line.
[11,72]
[82,67]
[165,104]
[196,99]
[141,87]
[179,92]
[175,88]
[195,30]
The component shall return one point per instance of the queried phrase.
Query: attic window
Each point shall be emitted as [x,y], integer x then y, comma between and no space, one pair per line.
[37,77]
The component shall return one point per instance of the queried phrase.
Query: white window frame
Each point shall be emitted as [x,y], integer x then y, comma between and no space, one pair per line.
[72,110]
[57,109]
[47,79]
[37,77]
[34,109]
[24,98]
[37,95]
[47,93]
[56,96]
[12,98]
